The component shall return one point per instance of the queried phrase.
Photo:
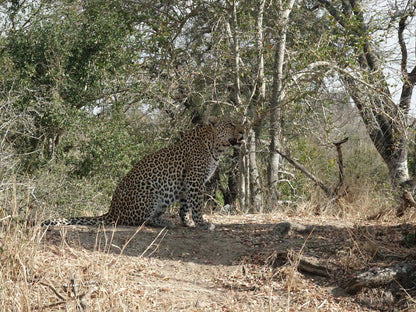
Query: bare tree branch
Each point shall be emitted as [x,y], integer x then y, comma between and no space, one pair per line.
[403,48]
[333,11]
[298,166]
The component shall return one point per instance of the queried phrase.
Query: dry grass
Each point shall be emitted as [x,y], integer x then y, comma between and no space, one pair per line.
[53,271]
[43,270]
[36,276]
[358,202]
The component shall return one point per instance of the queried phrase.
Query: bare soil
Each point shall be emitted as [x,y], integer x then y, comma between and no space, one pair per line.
[245,264]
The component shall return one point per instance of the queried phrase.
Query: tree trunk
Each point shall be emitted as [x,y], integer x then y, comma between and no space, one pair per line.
[237,180]
[234,178]
[261,84]
[255,199]
[244,179]
[236,48]
[276,115]
[386,122]
[386,128]
[255,196]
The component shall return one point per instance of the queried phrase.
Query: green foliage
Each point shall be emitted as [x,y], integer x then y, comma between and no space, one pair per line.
[107,146]
[60,63]
[67,54]
[87,88]
[68,100]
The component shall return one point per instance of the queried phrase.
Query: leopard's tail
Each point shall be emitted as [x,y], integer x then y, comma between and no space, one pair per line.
[96,221]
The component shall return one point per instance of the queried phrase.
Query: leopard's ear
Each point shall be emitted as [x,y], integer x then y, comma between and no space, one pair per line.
[212,120]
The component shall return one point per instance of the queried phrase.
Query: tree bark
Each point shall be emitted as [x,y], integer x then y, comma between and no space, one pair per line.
[255,196]
[276,114]
[237,181]
[244,179]
[256,203]
[385,127]
[236,56]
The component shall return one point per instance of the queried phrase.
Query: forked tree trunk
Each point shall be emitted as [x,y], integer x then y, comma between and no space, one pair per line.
[386,121]
[386,127]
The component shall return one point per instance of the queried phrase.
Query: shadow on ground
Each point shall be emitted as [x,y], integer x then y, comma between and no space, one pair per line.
[184,244]
[229,243]
[345,249]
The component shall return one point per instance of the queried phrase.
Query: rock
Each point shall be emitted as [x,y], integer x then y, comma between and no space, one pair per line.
[281,229]
[285,229]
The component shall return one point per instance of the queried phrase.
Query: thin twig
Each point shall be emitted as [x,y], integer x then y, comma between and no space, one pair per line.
[81,305]
[129,240]
[151,244]
[340,164]
[80,297]
[54,290]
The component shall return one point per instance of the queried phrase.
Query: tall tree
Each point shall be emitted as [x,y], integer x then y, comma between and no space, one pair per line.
[386,120]
[253,137]
[284,9]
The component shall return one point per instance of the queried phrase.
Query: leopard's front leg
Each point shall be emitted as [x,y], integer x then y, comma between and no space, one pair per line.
[184,211]
[195,201]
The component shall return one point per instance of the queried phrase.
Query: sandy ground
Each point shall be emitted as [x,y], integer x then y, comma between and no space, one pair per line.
[243,265]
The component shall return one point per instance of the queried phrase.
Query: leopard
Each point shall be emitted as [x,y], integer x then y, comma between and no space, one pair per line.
[176,173]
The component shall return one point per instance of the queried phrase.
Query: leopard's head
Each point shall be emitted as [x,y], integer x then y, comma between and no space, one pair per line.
[228,132]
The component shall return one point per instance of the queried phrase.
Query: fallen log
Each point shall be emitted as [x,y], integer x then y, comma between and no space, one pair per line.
[404,274]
